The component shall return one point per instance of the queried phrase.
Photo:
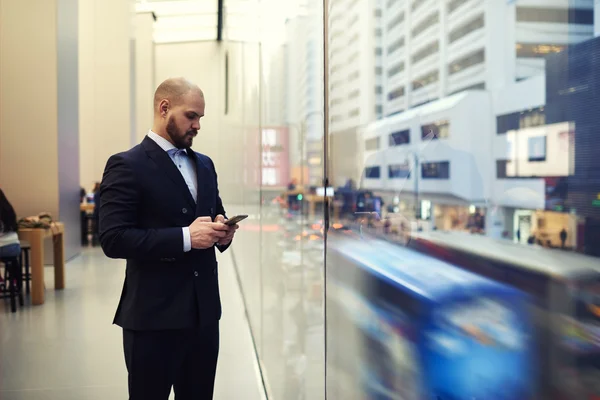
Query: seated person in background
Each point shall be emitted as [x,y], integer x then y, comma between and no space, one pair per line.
[9,239]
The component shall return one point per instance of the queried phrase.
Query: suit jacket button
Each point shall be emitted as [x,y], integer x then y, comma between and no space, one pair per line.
[184,210]
[195,273]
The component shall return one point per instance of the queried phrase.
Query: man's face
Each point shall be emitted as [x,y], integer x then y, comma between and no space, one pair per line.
[183,120]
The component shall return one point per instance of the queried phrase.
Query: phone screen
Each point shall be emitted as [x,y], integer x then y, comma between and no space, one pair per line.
[236,219]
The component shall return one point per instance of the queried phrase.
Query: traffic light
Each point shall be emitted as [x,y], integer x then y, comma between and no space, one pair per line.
[299,197]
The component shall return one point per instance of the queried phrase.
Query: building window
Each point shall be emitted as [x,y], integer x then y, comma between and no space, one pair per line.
[415,5]
[435,170]
[390,3]
[372,144]
[335,118]
[378,51]
[426,80]
[501,168]
[377,13]
[454,4]
[378,89]
[399,171]
[529,119]
[426,52]
[396,93]
[372,172]
[465,29]
[353,21]
[399,138]
[354,94]
[353,76]
[520,120]
[426,23]
[556,15]
[379,110]
[396,69]
[468,61]
[378,71]
[396,45]
[396,21]
[436,130]
[354,113]
[531,50]
[378,32]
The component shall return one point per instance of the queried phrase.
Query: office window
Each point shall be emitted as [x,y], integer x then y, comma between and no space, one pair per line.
[426,52]
[396,21]
[436,130]
[556,15]
[396,93]
[507,122]
[468,61]
[353,76]
[426,23]
[377,13]
[415,5]
[378,32]
[396,69]
[426,80]
[435,170]
[378,51]
[354,94]
[372,144]
[396,45]
[399,171]
[390,3]
[532,50]
[465,29]
[354,113]
[378,89]
[501,168]
[378,71]
[378,110]
[531,118]
[399,138]
[454,4]
[372,172]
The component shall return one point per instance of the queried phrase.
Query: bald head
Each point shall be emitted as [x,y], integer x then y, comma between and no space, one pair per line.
[178,107]
[173,90]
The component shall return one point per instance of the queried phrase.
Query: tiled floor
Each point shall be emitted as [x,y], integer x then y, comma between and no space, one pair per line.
[68,349]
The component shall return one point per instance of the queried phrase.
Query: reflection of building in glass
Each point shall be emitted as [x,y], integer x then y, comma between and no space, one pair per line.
[433,49]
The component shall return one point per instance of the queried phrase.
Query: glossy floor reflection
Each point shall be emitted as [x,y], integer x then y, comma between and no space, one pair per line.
[68,349]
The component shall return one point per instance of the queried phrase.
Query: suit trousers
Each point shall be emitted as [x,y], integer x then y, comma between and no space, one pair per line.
[185,360]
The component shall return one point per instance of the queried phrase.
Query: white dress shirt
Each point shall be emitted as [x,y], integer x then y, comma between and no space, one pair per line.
[188,171]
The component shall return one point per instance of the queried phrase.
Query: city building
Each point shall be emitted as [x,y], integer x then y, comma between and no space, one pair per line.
[355,78]
[435,48]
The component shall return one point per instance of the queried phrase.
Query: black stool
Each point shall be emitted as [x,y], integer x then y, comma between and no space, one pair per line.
[24,261]
[13,282]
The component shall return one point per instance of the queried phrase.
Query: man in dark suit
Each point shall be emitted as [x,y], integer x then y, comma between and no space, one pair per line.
[160,210]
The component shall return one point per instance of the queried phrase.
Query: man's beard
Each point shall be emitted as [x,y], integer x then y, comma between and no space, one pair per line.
[180,140]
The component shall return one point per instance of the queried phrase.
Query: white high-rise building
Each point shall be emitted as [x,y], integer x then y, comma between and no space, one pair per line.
[304,92]
[355,79]
[434,48]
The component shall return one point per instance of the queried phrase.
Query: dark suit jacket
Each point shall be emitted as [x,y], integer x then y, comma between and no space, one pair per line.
[144,203]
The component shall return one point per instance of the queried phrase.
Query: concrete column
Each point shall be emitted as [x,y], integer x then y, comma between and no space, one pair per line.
[39,149]
[144,74]
[106,32]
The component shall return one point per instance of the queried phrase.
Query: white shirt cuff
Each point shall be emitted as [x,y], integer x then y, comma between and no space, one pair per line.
[187,239]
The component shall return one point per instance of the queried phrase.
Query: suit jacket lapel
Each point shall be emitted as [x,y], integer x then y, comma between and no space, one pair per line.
[162,159]
[203,180]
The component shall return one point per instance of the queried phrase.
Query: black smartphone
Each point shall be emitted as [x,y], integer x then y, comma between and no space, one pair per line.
[234,220]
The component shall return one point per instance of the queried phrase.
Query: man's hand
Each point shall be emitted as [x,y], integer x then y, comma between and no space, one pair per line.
[205,233]
[229,233]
